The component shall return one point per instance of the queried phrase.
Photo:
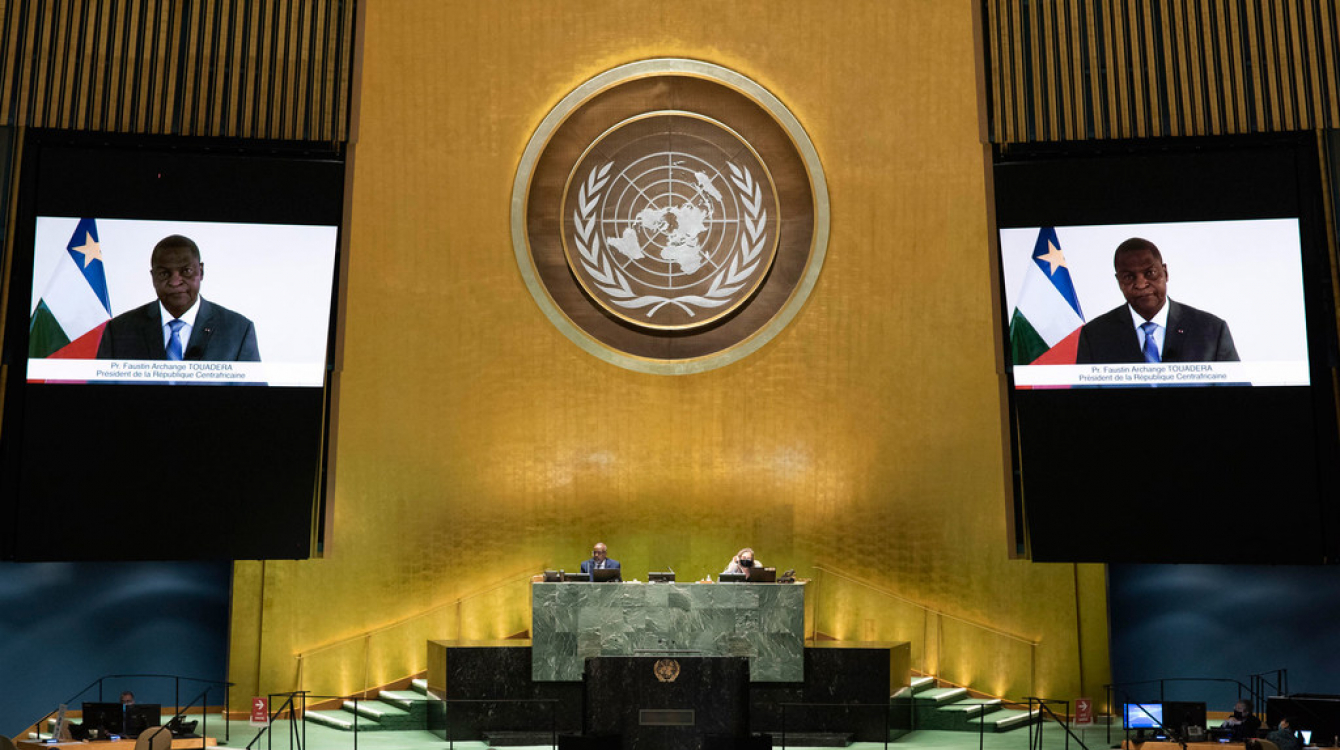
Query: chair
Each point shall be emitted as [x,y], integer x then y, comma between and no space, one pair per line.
[6,743]
[160,738]
[1267,745]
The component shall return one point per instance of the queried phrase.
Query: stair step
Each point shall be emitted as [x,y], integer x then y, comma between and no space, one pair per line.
[338,720]
[973,706]
[940,696]
[375,710]
[1006,719]
[405,699]
[419,686]
[919,684]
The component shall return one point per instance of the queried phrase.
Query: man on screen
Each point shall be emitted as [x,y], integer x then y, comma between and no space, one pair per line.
[1150,327]
[181,325]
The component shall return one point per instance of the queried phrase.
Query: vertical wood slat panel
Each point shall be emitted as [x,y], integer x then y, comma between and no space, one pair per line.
[1081,69]
[269,69]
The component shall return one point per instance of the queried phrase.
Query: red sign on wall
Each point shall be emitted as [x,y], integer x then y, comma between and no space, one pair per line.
[1084,712]
[260,711]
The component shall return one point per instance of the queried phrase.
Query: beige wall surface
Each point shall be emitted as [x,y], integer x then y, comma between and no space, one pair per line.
[476,444]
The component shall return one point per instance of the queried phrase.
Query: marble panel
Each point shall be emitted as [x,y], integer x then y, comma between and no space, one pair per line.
[635,618]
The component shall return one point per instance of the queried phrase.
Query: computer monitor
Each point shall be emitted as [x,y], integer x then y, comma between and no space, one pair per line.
[732,578]
[658,577]
[602,575]
[105,717]
[1307,736]
[141,716]
[1178,715]
[763,575]
[577,577]
[1142,715]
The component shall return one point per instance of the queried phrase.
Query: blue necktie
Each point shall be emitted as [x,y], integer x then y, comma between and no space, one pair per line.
[1151,347]
[174,340]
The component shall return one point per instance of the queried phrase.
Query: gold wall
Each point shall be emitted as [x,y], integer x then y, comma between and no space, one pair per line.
[476,444]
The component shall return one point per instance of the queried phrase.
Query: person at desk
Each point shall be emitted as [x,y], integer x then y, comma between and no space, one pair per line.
[127,698]
[1285,736]
[743,562]
[1243,724]
[599,560]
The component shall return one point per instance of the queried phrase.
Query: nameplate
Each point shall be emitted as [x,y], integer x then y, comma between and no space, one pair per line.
[666,717]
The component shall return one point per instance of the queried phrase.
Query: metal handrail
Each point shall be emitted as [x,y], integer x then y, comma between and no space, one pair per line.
[1044,705]
[929,610]
[404,620]
[1120,687]
[299,740]
[176,693]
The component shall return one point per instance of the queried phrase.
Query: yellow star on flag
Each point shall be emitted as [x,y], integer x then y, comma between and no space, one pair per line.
[91,249]
[1055,257]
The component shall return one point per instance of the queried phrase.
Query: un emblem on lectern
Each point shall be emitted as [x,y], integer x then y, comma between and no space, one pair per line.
[670,216]
[666,670]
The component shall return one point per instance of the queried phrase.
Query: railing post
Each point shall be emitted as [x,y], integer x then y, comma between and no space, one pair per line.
[886,727]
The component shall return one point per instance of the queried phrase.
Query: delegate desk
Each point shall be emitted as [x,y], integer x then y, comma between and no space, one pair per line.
[183,743]
[573,621]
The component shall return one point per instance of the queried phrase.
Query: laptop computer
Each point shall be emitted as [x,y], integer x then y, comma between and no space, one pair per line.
[600,575]
[763,575]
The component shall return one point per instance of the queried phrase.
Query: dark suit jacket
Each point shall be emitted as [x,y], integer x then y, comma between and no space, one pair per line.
[1192,336]
[586,566]
[219,335]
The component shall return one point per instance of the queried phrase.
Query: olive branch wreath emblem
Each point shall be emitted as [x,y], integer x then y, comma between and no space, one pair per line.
[614,282]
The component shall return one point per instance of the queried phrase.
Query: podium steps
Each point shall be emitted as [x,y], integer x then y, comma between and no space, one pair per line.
[392,710]
[954,709]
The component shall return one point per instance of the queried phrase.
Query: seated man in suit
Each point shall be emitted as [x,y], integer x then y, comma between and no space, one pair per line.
[600,559]
[180,325]
[1150,327]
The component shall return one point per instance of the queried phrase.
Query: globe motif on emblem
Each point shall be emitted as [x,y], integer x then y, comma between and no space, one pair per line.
[670,221]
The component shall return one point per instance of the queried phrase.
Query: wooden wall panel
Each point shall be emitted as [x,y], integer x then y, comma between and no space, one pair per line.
[261,69]
[1096,69]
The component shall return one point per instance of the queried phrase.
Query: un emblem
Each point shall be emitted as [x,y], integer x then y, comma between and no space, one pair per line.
[667,224]
[670,216]
[666,670]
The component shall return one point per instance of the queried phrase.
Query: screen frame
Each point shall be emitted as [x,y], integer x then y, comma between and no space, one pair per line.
[1131,182]
[279,513]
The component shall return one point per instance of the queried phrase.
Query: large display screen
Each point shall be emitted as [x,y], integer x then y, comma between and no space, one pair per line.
[170,339]
[1228,295]
[99,309]
[1169,351]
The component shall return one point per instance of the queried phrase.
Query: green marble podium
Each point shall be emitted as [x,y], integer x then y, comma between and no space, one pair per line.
[763,621]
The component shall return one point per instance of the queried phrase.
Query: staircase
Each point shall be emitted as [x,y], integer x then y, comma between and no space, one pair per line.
[391,710]
[954,709]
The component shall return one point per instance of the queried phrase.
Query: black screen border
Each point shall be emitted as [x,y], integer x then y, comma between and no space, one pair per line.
[249,493]
[1175,180]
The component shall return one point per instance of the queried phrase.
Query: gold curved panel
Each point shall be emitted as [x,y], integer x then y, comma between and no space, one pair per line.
[478,444]
[617,346]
